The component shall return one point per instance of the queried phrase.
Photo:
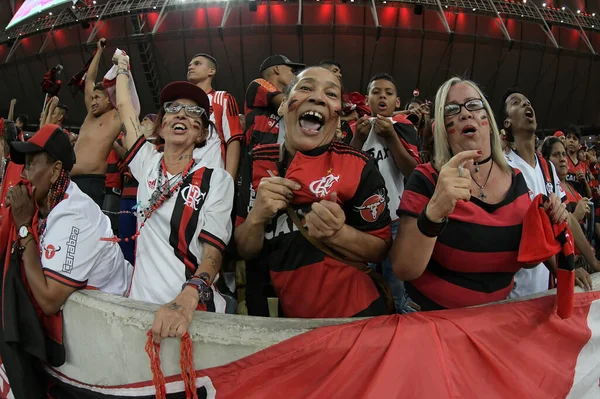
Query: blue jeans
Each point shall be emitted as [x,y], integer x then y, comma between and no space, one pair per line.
[401,298]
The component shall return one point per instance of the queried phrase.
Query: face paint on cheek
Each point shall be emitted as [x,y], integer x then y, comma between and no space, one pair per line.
[450,128]
[164,124]
[292,104]
[484,121]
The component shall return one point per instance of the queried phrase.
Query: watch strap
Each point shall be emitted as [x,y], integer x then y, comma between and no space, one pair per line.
[205,293]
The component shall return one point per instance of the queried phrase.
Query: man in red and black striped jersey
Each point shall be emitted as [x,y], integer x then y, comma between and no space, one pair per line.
[224,110]
[393,144]
[263,97]
[578,170]
[311,207]
[458,237]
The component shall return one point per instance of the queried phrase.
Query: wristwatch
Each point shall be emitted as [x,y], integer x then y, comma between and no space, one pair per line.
[205,293]
[24,231]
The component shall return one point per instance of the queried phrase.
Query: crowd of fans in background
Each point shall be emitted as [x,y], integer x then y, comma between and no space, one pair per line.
[337,204]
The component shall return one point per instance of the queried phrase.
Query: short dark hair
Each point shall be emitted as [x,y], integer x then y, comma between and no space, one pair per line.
[65,110]
[572,129]
[99,86]
[414,100]
[383,76]
[329,62]
[24,120]
[288,88]
[548,144]
[503,113]
[209,57]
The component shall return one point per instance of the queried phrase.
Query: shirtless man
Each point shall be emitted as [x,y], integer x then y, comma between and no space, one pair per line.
[96,136]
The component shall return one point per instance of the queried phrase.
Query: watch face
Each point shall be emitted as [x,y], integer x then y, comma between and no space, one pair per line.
[23,231]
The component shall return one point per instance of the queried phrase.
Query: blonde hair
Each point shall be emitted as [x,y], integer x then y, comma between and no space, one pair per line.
[442,151]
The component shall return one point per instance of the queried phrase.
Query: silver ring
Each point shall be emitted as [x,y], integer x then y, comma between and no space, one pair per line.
[460,170]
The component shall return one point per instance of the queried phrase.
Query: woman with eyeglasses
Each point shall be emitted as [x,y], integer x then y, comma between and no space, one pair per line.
[183,208]
[461,215]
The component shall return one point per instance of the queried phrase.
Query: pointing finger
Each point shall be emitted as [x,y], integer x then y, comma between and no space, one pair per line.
[463,157]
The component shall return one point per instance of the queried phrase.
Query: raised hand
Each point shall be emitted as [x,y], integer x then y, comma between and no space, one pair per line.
[453,184]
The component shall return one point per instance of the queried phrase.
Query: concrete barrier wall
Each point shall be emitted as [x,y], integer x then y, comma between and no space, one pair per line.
[105,337]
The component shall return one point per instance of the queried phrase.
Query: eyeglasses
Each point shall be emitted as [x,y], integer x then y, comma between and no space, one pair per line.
[472,105]
[193,111]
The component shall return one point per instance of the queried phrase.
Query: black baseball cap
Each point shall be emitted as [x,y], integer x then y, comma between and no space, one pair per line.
[279,59]
[182,89]
[51,139]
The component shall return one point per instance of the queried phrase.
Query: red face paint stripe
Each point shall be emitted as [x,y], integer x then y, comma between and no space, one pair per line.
[451,131]
[484,123]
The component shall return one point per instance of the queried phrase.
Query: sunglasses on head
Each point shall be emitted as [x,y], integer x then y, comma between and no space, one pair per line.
[472,105]
[193,111]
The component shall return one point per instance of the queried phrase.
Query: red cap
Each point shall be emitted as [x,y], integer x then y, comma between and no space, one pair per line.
[558,133]
[181,89]
[51,139]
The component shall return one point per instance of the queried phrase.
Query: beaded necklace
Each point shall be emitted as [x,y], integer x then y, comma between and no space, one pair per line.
[162,193]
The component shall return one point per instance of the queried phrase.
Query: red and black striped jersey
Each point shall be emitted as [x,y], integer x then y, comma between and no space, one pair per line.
[262,125]
[572,174]
[474,260]
[113,176]
[226,117]
[310,283]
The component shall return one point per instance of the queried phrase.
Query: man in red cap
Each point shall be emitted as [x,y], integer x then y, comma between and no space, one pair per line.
[263,97]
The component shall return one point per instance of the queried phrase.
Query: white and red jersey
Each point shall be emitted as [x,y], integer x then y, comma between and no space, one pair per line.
[170,245]
[225,115]
[73,252]
[378,148]
[534,280]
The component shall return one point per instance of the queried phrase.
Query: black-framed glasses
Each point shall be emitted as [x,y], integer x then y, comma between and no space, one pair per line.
[472,105]
[193,111]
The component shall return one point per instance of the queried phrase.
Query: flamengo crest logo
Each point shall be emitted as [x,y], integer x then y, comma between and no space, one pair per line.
[322,187]
[192,195]
[372,208]
[152,184]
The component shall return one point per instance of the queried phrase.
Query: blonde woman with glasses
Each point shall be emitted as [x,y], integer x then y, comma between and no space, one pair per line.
[461,215]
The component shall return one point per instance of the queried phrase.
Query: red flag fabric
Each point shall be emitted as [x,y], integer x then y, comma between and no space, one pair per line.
[510,350]
[541,240]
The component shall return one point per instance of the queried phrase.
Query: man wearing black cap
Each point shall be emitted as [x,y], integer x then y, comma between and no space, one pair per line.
[68,229]
[263,98]
[224,111]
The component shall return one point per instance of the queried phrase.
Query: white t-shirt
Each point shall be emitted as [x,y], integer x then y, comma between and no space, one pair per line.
[198,212]
[378,147]
[73,252]
[532,281]
[210,154]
